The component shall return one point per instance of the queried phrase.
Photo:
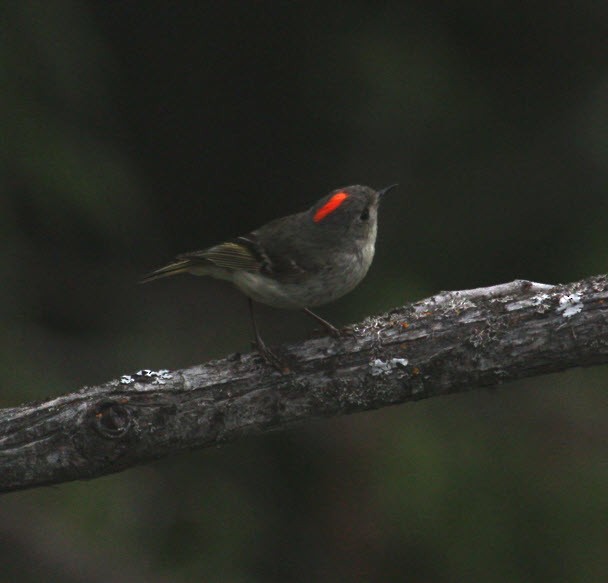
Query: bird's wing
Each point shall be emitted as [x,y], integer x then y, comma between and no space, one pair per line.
[279,258]
[248,253]
[287,253]
[237,254]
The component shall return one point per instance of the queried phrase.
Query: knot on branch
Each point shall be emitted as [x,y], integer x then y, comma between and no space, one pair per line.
[107,434]
[112,419]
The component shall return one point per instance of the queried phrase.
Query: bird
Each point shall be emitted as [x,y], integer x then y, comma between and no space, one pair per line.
[295,262]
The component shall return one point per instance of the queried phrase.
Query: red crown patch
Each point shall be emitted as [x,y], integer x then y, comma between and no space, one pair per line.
[330,206]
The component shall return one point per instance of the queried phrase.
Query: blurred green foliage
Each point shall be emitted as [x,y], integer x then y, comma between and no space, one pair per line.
[134,131]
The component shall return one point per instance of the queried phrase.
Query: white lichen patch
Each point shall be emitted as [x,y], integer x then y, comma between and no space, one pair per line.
[528,303]
[158,377]
[146,375]
[540,299]
[380,367]
[570,305]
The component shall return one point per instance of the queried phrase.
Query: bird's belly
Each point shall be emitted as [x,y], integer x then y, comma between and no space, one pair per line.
[315,290]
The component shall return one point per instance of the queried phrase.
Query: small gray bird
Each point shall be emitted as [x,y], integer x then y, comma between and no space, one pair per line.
[295,262]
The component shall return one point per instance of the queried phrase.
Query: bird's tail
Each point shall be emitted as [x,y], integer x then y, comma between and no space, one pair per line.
[175,268]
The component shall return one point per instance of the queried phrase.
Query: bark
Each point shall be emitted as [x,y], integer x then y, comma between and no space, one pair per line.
[452,342]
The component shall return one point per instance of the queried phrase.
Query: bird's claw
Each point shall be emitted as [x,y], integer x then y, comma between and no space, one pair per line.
[271,358]
[347,331]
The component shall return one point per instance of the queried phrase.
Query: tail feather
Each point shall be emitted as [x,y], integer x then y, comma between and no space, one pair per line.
[174,268]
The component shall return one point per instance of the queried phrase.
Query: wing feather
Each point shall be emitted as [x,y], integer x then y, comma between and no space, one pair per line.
[229,255]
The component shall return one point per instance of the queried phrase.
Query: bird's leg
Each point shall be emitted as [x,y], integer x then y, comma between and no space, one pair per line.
[333,331]
[264,351]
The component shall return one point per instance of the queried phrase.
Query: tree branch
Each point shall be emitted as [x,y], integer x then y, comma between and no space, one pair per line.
[452,342]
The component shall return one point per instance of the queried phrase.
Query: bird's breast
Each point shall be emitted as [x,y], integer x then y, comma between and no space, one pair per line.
[338,275]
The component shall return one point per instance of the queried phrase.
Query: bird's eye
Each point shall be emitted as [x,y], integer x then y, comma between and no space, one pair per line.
[364,216]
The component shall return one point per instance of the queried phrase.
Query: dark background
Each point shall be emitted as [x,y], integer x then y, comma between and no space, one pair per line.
[132,131]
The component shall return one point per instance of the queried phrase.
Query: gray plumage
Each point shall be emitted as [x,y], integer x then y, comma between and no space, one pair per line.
[298,261]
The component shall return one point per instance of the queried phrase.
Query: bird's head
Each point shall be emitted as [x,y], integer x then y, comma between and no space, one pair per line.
[352,210]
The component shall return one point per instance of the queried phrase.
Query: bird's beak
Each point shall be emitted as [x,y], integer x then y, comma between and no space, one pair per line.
[382,192]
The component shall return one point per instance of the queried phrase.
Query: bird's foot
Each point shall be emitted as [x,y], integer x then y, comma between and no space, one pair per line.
[271,358]
[332,330]
[337,333]
[329,327]
[347,331]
